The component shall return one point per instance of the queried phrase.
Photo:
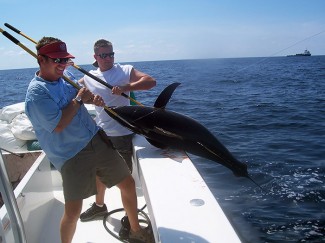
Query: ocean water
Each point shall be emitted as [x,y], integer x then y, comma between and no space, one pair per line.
[269,113]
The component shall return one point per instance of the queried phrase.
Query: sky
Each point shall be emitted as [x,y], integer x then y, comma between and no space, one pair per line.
[150,30]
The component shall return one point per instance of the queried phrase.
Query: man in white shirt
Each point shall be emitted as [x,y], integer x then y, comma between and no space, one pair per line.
[123,79]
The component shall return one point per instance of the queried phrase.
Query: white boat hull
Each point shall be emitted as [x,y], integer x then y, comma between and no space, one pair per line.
[179,203]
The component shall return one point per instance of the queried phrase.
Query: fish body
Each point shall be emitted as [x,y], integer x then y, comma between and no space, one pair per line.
[163,128]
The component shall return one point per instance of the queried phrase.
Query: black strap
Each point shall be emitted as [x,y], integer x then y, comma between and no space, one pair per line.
[105,138]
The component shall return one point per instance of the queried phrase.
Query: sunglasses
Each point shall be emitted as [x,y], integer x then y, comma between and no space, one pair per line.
[60,60]
[104,55]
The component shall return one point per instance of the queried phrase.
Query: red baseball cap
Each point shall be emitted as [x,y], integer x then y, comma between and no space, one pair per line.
[55,50]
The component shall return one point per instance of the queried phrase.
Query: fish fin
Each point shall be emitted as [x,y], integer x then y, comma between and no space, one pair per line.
[165,95]
[156,144]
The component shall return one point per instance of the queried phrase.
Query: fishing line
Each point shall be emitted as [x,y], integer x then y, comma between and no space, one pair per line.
[264,59]
[230,165]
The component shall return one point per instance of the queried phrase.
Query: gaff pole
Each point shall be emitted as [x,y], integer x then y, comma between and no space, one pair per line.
[75,66]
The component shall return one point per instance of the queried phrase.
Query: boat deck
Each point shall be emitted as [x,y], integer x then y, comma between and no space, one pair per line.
[94,231]
[179,203]
[40,200]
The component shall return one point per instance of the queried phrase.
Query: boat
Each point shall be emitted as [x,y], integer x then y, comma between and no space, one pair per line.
[173,197]
[306,53]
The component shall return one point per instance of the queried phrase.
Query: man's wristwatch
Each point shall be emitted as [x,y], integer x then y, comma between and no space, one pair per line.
[78,99]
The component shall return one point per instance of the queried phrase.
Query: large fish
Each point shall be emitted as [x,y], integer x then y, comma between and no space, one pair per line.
[163,128]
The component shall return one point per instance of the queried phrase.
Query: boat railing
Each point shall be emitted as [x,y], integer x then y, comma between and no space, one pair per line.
[10,203]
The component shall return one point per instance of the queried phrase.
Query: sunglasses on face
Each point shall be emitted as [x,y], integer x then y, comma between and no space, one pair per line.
[60,60]
[104,55]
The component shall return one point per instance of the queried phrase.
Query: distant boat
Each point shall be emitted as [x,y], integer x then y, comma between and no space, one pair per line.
[305,54]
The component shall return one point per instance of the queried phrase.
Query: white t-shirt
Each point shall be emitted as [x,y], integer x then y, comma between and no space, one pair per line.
[118,75]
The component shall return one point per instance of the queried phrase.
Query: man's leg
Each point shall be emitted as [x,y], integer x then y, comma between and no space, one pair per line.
[97,209]
[69,220]
[129,200]
[100,192]
[123,144]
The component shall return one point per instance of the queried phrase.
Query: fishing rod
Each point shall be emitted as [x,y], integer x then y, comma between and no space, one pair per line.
[75,66]
[17,42]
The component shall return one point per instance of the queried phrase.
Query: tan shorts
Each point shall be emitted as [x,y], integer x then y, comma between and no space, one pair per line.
[97,158]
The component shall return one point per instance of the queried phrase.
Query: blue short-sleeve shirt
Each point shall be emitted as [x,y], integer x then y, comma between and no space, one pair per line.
[43,106]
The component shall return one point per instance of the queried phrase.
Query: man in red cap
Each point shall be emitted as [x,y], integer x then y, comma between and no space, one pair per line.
[69,137]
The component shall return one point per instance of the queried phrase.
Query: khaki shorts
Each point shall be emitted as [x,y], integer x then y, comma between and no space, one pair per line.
[97,158]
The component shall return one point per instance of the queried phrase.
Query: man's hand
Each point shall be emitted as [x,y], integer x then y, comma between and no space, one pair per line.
[89,98]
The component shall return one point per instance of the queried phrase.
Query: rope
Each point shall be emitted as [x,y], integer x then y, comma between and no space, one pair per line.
[146,220]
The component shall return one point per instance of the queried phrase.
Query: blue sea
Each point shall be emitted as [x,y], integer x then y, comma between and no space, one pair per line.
[269,113]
